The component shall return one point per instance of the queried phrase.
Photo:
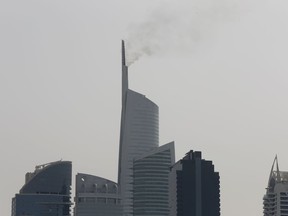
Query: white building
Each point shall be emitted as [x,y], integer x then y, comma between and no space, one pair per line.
[276,197]
[139,134]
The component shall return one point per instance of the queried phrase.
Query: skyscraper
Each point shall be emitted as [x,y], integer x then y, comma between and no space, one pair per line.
[276,197]
[139,141]
[96,196]
[46,191]
[151,181]
[194,187]
[139,133]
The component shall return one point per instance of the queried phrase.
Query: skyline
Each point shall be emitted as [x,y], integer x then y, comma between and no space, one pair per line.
[60,83]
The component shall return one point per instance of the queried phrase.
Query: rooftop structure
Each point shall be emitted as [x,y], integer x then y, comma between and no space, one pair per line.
[276,197]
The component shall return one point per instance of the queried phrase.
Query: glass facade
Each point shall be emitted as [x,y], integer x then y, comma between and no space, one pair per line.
[151,181]
[194,187]
[139,133]
[46,191]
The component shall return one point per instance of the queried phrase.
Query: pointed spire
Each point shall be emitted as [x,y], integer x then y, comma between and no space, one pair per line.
[272,176]
[277,169]
[123,54]
[123,112]
[124,74]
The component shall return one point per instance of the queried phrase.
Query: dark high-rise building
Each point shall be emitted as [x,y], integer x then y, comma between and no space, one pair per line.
[46,191]
[194,187]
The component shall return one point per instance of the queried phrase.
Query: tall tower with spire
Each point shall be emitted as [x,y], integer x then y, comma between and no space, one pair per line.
[276,197]
[139,133]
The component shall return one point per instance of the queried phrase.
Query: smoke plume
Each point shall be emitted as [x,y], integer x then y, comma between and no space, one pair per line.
[177,26]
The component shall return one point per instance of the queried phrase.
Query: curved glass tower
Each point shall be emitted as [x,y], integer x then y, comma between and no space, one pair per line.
[46,191]
[151,181]
[139,134]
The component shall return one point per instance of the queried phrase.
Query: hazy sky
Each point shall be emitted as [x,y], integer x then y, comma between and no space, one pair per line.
[216,68]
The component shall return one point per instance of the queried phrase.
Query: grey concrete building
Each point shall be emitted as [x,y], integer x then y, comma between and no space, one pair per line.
[46,191]
[96,196]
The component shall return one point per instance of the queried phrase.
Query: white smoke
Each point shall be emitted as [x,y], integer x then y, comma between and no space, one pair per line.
[177,26]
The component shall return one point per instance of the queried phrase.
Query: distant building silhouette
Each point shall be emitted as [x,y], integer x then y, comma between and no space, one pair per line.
[139,133]
[194,187]
[276,197]
[96,196]
[46,191]
[151,181]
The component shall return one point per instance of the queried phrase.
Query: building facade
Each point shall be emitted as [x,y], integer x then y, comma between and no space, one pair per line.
[194,187]
[139,133]
[96,196]
[46,191]
[276,197]
[151,181]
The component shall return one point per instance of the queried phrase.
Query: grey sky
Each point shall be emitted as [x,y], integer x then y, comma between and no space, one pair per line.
[217,70]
